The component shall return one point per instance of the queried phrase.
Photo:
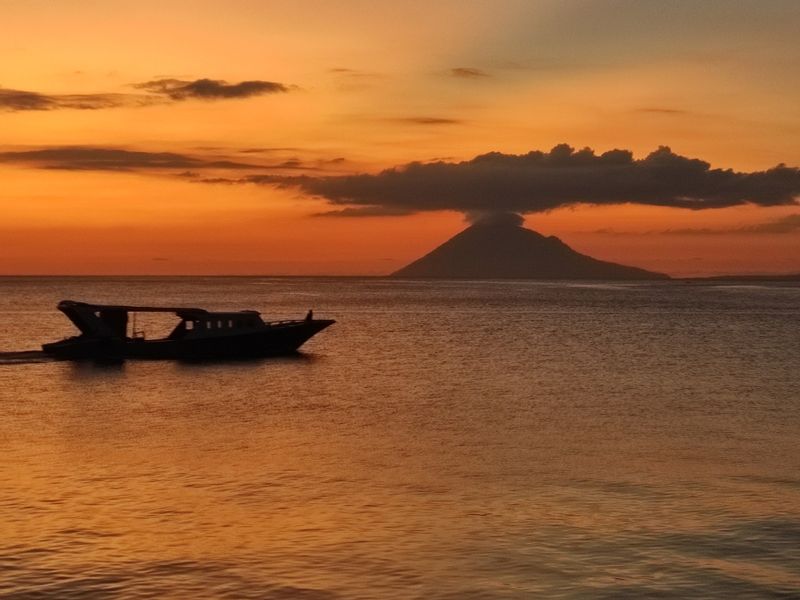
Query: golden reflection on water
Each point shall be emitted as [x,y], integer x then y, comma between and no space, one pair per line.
[461,440]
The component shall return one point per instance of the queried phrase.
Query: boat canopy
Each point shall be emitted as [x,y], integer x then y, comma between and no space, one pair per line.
[111,320]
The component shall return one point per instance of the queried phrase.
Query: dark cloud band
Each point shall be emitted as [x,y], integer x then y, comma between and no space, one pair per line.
[159,91]
[541,181]
[210,89]
[110,158]
[20,100]
[88,158]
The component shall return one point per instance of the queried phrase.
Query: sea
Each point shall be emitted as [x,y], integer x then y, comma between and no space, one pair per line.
[443,440]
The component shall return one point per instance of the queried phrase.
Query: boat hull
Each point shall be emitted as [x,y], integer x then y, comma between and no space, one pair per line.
[273,340]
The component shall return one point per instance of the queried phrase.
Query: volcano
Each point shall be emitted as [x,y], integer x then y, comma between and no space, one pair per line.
[503,249]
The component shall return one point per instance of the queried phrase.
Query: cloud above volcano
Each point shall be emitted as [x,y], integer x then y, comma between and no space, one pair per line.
[542,181]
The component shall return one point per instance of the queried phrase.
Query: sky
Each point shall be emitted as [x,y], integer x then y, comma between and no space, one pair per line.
[351,137]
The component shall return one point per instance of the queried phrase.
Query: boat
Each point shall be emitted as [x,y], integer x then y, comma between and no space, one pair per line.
[200,334]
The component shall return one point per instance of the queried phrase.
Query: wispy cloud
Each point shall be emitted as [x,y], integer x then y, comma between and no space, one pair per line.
[366,211]
[190,164]
[21,100]
[787,224]
[345,72]
[662,110]
[267,150]
[468,73]
[209,89]
[783,225]
[423,120]
[354,79]
[158,91]
[90,158]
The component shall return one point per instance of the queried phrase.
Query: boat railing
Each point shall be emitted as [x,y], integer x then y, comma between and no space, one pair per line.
[283,322]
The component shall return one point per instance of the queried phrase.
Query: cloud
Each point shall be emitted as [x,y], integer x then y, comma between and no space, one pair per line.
[346,71]
[662,110]
[542,181]
[158,91]
[90,158]
[425,121]
[353,79]
[468,73]
[495,218]
[366,211]
[188,165]
[787,224]
[20,100]
[210,89]
[268,150]
[354,73]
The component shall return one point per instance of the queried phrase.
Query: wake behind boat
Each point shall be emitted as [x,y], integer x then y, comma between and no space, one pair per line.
[200,334]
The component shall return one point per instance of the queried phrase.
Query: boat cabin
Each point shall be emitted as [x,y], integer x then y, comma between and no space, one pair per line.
[209,323]
[111,321]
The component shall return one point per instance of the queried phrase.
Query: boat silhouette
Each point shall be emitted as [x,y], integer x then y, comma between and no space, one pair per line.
[199,334]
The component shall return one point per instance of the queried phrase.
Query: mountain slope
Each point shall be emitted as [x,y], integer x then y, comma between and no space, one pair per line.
[501,250]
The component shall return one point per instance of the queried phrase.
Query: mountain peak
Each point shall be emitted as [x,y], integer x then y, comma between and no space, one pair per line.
[498,247]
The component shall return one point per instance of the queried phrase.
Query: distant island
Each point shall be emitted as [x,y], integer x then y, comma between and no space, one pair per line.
[499,247]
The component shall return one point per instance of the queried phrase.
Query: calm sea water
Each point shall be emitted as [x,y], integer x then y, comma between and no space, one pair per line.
[443,440]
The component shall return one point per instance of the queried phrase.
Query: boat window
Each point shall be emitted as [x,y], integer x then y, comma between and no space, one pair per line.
[230,323]
[189,325]
[208,324]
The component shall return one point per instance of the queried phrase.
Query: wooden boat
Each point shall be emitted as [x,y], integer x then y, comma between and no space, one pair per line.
[199,334]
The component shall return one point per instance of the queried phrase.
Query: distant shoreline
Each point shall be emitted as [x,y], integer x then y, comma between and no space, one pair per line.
[786,277]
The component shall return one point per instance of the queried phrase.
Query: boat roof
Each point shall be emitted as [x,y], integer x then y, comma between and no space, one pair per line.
[181,311]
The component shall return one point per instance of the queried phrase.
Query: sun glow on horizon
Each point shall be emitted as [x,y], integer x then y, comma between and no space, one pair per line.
[350,88]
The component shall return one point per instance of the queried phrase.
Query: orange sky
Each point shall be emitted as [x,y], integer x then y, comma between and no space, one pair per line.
[371,85]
